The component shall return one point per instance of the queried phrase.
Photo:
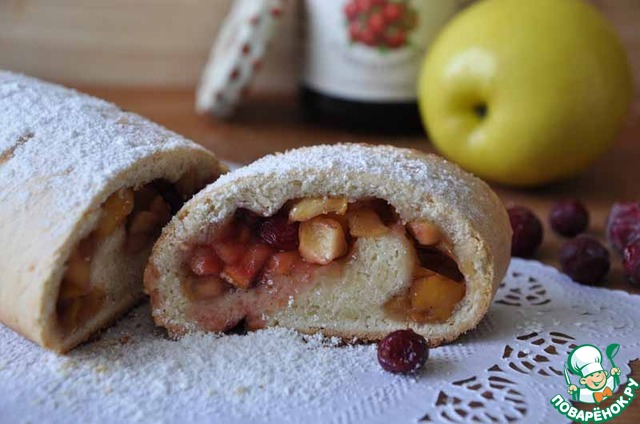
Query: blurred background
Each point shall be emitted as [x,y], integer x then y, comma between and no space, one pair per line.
[166,42]
[129,43]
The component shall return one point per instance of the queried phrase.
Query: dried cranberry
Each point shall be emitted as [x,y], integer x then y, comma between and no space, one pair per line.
[623,224]
[585,260]
[403,351]
[527,231]
[569,217]
[631,261]
[279,233]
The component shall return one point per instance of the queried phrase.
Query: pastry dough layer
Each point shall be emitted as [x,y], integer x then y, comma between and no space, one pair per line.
[62,154]
[417,185]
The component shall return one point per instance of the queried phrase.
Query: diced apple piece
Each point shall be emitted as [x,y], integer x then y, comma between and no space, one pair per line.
[70,291]
[321,240]
[114,211]
[146,224]
[305,209]
[74,311]
[204,262]
[426,233]
[420,271]
[282,263]
[77,276]
[205,288]
[365,223]
[230,251]
[398,306]
[256,257]
[243,273]
[341,219]
[436,297]
[91,304]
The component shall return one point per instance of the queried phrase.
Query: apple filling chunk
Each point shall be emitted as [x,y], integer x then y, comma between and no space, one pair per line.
[140,214]
[436,290]
[425,233]
[253,265]
[244,271]
[305,209]
[366,222]
[322,240]
[430,299]
[434,298]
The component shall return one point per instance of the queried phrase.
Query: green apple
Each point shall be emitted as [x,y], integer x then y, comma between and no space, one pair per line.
[525,92]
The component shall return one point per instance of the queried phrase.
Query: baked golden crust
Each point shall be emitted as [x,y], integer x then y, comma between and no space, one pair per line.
[63,154]
[418,185]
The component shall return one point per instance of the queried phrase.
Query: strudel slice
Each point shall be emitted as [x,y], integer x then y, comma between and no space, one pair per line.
[85,189]
[348,240]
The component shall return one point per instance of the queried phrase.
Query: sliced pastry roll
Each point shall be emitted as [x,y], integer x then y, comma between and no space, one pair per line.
[348,240]
[85,189]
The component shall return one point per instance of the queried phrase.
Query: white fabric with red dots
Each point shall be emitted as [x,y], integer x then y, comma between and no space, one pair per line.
[237,54]
[507,369]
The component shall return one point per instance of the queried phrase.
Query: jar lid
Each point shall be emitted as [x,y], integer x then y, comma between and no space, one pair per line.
[237,54]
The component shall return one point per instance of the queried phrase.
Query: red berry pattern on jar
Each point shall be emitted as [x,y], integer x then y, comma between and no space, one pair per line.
[383,24]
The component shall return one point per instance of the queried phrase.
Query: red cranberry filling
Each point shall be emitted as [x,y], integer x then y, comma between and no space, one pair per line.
[254,265]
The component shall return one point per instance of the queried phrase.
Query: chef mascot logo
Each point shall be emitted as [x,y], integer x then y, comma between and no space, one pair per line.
[594,385]
[586,362]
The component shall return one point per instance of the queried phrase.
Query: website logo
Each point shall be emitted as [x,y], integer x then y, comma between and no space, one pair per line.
[594,384]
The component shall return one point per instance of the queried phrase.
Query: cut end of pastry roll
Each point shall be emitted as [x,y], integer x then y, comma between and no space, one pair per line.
[85,189]
[347,240]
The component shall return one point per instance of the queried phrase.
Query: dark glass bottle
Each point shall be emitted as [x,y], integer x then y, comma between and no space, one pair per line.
[363,58]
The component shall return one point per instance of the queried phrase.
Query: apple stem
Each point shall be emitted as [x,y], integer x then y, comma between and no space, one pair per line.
[480,110]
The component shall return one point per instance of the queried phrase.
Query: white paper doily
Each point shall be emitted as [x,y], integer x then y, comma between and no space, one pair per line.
[505,370]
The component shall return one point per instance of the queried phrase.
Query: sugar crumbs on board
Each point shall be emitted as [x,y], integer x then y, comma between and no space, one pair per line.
[133,372]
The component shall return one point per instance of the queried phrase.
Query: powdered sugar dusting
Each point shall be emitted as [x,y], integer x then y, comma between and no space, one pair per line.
[422,176]
[55,132]
[395,163]
[134,374]
[70,142]
[133,371]
[62,153]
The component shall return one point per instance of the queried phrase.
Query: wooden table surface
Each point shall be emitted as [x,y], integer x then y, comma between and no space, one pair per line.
[273,123]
